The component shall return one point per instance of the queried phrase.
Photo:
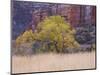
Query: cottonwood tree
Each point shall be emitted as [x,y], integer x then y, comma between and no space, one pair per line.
[58,32]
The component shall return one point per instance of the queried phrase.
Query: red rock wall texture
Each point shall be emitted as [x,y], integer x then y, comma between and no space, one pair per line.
[76,15]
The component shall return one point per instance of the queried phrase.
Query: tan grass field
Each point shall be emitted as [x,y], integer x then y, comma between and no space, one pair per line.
[53,62]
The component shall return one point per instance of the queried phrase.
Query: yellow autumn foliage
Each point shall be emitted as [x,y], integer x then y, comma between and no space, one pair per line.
[55,28]
[27,36]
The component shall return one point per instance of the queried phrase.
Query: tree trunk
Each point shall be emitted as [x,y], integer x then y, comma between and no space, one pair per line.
[57,50]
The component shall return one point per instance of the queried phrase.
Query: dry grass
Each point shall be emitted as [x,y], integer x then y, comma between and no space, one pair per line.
[53,62]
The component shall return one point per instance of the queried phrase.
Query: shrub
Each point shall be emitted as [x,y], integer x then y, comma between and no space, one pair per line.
[40,47]
[23,49]
[26,37]
[86,34]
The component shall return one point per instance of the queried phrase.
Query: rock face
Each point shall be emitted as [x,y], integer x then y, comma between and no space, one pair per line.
[27,14]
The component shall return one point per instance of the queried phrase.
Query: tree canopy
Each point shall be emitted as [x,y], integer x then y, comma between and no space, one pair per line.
[57,31]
